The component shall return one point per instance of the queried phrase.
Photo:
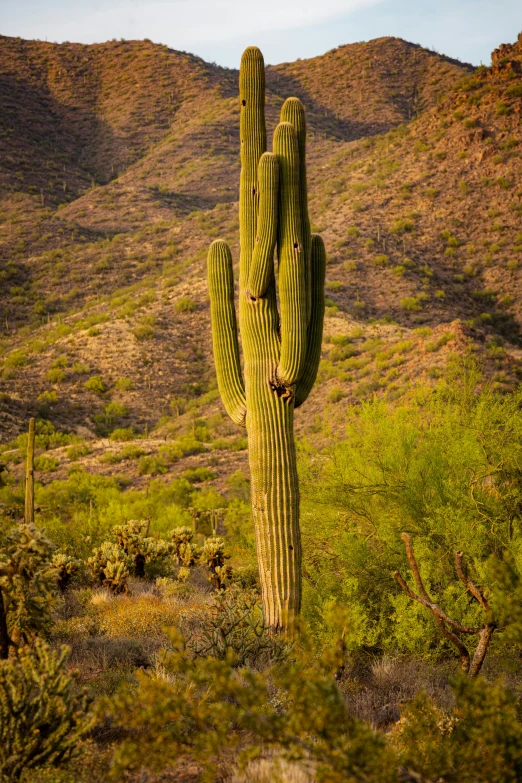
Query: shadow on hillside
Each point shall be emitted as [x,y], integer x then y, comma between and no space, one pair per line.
[321,119]
[474,305]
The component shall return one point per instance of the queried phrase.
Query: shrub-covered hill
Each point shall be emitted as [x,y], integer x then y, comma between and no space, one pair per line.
[414,162]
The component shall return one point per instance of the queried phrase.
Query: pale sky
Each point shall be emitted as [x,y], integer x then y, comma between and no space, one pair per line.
[219,30]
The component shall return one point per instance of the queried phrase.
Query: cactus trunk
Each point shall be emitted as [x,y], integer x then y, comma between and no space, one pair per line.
[281,346]
[29,477]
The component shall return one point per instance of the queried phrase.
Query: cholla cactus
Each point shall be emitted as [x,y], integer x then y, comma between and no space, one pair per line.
[214,557]
[186,551]
[281,323]
[109,566]
[27,586]
[189,554]
[181,536]
[66,567]
[42,716]
[132,538]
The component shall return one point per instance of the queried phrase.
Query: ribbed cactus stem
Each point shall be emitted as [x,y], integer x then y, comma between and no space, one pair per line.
[281,348]
[29,477]
[293,112]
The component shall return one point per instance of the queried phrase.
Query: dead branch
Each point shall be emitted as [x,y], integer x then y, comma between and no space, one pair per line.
[470,666]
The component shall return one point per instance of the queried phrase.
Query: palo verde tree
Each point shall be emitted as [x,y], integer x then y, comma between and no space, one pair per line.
[281,328]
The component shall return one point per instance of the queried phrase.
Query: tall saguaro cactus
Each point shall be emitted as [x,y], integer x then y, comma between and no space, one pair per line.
[281,323]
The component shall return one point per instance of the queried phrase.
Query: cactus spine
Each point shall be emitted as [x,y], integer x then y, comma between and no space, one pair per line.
[281,347]
[29,477]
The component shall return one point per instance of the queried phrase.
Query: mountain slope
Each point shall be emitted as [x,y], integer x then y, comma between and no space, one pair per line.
[421,224]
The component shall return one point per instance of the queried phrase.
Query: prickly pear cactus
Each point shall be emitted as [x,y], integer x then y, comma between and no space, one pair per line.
[281,327]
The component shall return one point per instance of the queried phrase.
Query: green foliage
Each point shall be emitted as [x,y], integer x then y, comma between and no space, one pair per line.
[444,467]
[42,715]
[27,583]
[477,742]
[185,304]
[122,434]
[205,705]
[233,623]
[95,384]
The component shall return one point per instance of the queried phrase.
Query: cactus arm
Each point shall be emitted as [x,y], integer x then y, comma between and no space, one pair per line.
[315,327]
[293,112]
[253,144]
[224,331]
[262,267]
[292,293]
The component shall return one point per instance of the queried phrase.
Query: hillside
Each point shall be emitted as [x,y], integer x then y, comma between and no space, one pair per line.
[119,165]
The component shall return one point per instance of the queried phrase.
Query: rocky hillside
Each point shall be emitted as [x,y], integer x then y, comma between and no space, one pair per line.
[118,166]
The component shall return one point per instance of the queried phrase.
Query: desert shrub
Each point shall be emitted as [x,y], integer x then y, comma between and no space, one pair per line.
[42,714]
[195,475]
[152,465]
[205,705]
[476,742]
[56,375]
[428,467]
[95,384]
[403,226]
[124,384]
[410,303]
[143,616]
[78,450]
[233,622]
[381,260]
[185,304]
[128,452]
[27,585]
[115,410]
[122,434]
[45,464]
[16,358]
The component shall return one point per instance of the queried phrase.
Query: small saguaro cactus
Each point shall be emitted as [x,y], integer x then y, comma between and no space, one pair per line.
[29,477]
[281,329]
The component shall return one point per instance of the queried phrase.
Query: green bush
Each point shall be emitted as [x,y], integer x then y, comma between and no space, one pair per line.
[16,358]
[423,467]
[27,584]
[206,705]
[95,384]
[42,714]
[185,304]
[477,742]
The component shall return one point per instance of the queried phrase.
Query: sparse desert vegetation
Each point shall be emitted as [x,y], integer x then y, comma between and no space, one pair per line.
[136,640]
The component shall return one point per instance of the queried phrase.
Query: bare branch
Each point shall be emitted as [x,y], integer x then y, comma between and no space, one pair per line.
[413,564]
[466,581]
[443,620]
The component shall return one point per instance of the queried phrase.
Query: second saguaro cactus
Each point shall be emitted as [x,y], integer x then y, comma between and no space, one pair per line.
[29,476]
[281,323]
